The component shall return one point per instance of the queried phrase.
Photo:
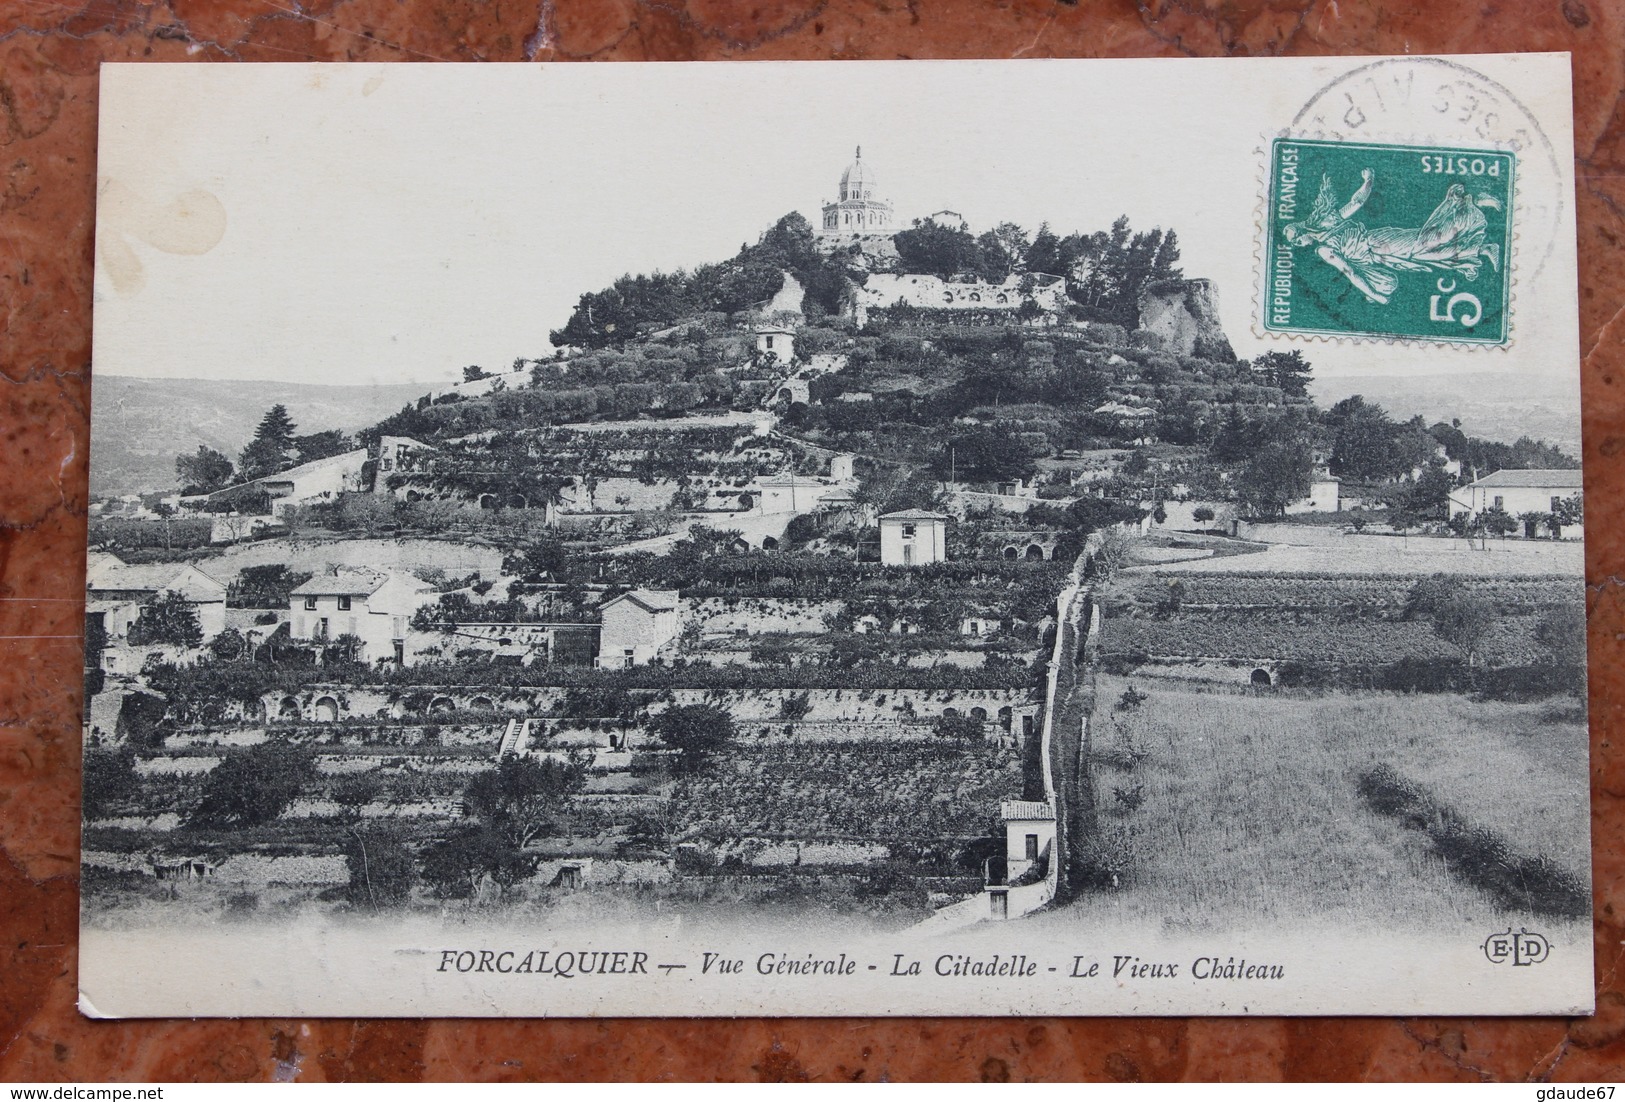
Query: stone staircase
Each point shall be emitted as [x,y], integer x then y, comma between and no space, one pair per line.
[516,739]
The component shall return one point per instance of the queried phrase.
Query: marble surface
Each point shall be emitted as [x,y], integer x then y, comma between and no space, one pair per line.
[49,54]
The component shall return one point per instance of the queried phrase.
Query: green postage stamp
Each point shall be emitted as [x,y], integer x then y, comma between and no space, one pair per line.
[1398,241]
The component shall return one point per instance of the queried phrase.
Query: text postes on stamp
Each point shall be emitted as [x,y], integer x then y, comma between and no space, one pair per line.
[1388,241]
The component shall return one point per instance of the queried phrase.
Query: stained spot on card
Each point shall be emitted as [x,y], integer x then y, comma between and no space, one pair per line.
[188,224]
[374,82]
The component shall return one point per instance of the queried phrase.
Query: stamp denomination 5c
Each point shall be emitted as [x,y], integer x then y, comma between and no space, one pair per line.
[1388,241]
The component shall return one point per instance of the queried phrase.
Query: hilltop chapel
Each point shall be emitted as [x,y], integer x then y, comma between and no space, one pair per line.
[857,212]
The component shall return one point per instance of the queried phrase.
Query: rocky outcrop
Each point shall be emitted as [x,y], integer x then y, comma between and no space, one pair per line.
[1185,314]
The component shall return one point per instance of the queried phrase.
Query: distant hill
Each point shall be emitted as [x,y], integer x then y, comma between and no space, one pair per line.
[138,426]
[1491,405]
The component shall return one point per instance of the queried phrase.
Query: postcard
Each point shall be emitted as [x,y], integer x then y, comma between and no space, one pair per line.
[929,538]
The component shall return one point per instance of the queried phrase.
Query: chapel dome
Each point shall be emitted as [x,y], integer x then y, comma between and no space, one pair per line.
[858,181]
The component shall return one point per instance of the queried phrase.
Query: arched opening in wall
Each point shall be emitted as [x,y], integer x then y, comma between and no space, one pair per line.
[785,395]
[1003,298]
[976,296]
[288,709]
[1012,553]
[979,714]
[747,501]
[488,501]
[949,713]
[739,546]
[482,704]
[413,496]
[326,710]
[947,296]
[441,705]
[517,501]
[1006,717]
[1034,551]
[769,543]
[1261,677]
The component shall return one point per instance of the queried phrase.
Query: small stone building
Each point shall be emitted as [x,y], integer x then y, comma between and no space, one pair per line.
[636,625]
[1029,835]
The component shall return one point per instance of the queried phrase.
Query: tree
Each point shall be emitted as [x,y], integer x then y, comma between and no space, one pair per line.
[1429,497]
[522,798]
[167,620]
[983,454]
[1287,370]
[383,869]
[1002,249]
[1364,445]
[695,731]
[109,779]
[1562,632]
[457,866]
[271,449]
[931,248]
[266,586]
[1202,514]
[254,785]
[1463,620]
[1497,522]
[320,445]
[1044,254]
[228,645]
[474,373]
[276,425]
[1277,476]
[204,472]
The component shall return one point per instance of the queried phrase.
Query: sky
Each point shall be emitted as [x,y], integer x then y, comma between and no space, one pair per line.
[393,223]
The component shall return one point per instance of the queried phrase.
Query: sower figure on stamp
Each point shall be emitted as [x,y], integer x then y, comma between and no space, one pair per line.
[1452,238]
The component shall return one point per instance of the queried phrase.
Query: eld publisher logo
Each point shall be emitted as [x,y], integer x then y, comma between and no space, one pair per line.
[1522,948]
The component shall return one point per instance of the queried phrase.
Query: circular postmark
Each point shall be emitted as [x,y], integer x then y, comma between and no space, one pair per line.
[1406,201]
[1433,100]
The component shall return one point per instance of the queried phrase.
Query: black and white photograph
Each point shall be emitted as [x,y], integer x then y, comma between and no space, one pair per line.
[831,539]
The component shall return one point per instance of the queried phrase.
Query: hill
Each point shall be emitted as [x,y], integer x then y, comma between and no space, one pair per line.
[1493,405]
[140,425]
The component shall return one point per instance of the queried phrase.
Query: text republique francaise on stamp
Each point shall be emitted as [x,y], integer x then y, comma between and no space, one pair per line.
[1392,241]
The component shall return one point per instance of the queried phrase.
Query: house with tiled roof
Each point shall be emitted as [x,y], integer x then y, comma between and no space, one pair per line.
[116,590]
[1517,492]
[636,626]
[375,606]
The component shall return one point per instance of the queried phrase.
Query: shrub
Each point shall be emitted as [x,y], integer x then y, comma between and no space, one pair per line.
[383,869]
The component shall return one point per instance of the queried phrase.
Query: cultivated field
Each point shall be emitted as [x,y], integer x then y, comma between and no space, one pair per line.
[1227,810]
[1355,554]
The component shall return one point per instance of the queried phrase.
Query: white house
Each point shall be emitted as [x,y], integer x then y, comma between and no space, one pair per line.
[636,625]
[913,537]
[374,606]
[1515,492]
[116,590]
